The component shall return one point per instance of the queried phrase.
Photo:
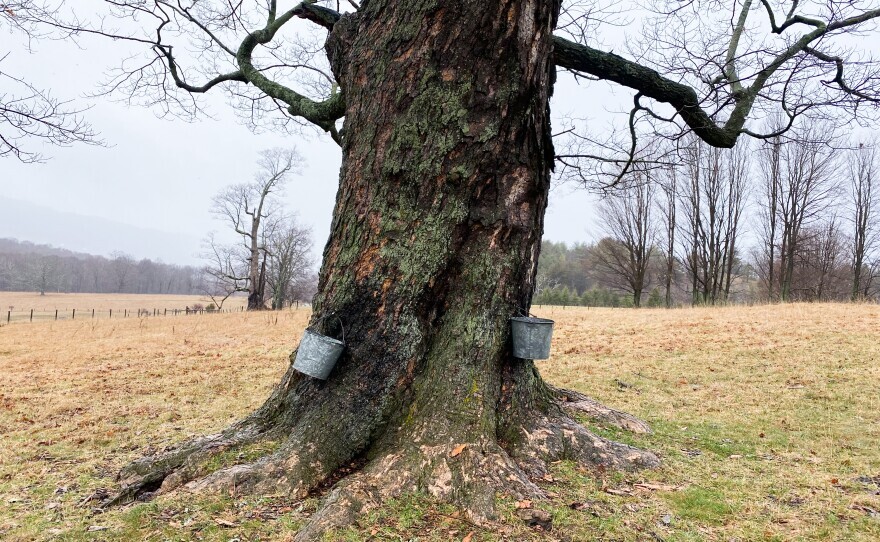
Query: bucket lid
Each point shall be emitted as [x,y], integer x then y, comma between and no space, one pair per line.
[324,338]
[531,320]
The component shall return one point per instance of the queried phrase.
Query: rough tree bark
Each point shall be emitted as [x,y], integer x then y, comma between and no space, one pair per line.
[433,246]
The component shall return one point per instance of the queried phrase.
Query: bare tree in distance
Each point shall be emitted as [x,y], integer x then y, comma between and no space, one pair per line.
[801,187]
[863,166]
[122,267]
[830,248]
[447,154]
[31,116]
[224,273]
[289,263]
[625,254]
[821,269]
[44,274]
[252,211]
[713,197]
[667,180]
[770,160]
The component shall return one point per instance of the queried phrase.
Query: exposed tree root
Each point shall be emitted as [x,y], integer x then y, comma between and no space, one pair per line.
[578,402]
[471,475]
[292,470]
[550,438]
[150,475]
[468,473]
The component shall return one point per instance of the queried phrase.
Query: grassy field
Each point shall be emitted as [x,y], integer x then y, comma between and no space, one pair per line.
[17,306]
[767,420]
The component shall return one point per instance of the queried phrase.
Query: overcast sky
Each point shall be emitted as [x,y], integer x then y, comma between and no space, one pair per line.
[160,174]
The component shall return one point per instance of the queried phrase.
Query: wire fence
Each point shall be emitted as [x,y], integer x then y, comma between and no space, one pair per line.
[36,315]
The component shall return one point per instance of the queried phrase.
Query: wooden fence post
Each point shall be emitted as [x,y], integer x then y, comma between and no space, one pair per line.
[32,315]
[56,314]
[73,315]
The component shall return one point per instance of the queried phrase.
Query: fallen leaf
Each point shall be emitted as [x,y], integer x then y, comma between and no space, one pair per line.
[469,537]
[656,487]
[225,522]
[524,504]
[613,491]
[457,450]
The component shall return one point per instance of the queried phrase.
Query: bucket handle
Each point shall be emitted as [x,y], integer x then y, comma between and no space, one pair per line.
[523,312]
[338,319]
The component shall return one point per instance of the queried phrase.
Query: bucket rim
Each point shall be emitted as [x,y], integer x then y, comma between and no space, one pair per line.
[531,320]
[325,338]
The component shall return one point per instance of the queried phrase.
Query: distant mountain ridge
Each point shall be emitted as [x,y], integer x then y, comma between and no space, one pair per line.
[14,246]
[57,230]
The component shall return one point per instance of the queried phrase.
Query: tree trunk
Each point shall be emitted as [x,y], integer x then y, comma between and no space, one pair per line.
[255,294]
[433,246]
[255,297]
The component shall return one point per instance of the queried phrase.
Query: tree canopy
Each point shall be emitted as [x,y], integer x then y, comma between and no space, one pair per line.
[717,69]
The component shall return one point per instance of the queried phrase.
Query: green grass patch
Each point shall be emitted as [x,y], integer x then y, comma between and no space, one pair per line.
[701,505]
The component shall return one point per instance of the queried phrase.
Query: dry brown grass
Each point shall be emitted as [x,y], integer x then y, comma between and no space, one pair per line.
[767,419]
[780,402]
[25,301]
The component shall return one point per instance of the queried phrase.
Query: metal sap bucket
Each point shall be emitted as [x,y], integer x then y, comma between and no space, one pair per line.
[531,337]
[317,354]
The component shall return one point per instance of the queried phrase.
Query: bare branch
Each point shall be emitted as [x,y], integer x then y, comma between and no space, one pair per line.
[323,114]
[29,115]
[777,74]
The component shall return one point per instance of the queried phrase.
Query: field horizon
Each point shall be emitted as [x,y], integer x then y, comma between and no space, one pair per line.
[63,301]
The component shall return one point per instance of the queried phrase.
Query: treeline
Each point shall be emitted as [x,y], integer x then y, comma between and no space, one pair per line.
[789,218]
[572,276]
[26,266]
